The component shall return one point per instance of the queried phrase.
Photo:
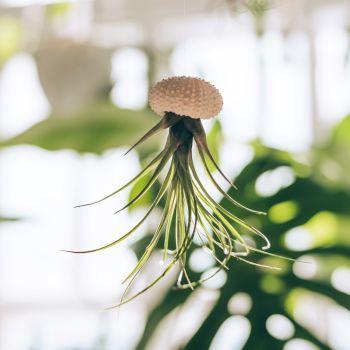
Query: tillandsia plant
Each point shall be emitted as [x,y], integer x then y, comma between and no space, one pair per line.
[189,208]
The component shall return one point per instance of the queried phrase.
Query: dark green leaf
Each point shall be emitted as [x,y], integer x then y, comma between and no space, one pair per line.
[215,140]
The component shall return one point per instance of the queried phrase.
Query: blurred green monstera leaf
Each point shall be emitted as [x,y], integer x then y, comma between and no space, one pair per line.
[333,159]
[301,204]
[94,129]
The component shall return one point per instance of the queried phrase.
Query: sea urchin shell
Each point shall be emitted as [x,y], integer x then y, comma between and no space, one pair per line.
[186,96]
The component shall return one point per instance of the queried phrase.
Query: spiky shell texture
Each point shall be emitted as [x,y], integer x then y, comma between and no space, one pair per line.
[186,96]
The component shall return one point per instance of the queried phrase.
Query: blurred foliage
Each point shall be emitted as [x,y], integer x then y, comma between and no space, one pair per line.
[57,10]
[8,219]
[10,37]
[94,129]
[333,158]
[304,203]
[257,8]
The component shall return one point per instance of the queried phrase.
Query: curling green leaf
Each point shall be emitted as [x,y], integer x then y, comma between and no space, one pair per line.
[215,140]
[147,198]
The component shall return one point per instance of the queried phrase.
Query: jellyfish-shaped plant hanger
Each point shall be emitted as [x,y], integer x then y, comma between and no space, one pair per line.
[189,209]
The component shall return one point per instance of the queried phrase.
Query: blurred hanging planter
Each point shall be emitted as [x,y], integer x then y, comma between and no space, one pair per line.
[189,209]
[67,86]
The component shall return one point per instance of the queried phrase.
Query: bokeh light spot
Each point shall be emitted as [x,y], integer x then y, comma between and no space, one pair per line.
[280,327]
[283,212]
[240,304]
[298,238]
[216,281]
[299,344]
[271,284]
[340,279]
[201,260]
[305,267]
[270,182]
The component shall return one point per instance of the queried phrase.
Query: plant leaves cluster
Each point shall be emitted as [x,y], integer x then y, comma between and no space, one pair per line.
[313,193]
[270,292]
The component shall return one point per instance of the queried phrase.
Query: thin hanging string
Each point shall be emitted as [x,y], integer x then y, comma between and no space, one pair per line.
[184,37]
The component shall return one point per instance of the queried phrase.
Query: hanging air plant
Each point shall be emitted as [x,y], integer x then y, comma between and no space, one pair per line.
[189,209]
